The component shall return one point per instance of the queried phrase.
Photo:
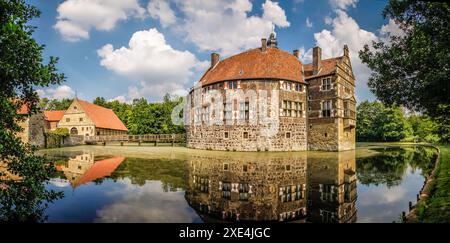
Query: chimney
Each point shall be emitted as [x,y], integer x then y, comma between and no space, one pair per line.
[263,44]
[296,53]
[214,58]
[317,58]
[346,52]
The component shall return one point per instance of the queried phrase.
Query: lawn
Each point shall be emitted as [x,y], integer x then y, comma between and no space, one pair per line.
[437,207]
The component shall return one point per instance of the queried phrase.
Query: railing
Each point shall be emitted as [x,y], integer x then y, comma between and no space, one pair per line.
[136,138]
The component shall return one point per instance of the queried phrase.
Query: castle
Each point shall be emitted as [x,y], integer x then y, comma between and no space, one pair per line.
[266,99]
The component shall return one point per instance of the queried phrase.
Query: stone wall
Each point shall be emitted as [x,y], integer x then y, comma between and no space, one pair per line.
[53,141]
[34,129]
[291,134]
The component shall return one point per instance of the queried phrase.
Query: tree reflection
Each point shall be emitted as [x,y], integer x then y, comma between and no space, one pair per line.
[390,165]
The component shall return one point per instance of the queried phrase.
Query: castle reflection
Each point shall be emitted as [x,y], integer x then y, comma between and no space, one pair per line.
[84,168]
[298,187]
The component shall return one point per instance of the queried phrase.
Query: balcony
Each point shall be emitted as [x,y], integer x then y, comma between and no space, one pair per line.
[349,118]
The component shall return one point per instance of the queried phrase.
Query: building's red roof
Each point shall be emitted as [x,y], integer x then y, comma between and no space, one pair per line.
[327,67]
[256,64]
[54,116]
[102,117]
[23,110]
[99,170]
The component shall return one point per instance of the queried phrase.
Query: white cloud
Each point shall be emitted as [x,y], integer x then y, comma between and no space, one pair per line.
[273,12]
[77,17]
[147,203]
[120,98]
[160,9]
[309,24]
[343,4]
[59,93]
[154,66]
[332,43]
[391,29]
[226,26]
[328,20]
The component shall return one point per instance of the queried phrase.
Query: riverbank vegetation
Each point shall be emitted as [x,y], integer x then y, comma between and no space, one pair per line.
[437,208]
[412,70]
[140,116]
[377,122]
[23,196]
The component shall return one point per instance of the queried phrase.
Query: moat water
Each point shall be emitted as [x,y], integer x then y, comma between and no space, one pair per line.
[374,183]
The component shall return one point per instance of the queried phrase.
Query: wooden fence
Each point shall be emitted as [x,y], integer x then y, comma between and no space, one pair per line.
[147,138]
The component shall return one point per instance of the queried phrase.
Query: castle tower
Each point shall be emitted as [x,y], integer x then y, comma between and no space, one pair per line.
[331,101]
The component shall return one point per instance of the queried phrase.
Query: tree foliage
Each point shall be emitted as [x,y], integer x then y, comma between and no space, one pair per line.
[21,69]
[377,122]
[142,117]
[55,104]
[413,70]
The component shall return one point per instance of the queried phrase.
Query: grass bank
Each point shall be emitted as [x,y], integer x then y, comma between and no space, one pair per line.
[437,208]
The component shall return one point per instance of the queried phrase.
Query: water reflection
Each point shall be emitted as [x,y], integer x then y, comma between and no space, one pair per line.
[207,186]
[315,187]
[84,168]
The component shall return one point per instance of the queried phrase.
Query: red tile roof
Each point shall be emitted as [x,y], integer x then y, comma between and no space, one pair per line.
[23,110]
[99,170]
[102,117]
[328,66]
[54,115]
[256,64]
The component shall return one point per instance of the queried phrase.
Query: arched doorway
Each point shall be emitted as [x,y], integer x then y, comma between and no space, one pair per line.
[74,131]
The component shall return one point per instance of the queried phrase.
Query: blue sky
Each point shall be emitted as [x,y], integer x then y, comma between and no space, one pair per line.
[125,49]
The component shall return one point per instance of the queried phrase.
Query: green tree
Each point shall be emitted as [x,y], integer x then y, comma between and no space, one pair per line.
[22,69]
[377,122]
[100,101]
[55,104]
[424,128]
[413,70]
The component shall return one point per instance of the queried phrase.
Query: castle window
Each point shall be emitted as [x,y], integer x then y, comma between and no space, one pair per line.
[226,190]
[67,119]
[82,128]
[309,97]
[299,87]
[292,109]
[288,135]
[225,166]
[287,167]
[225,134]
[81,119]
[326,84]
[292,193]
[75,107]
[244,111]
[244,188]
[326,108]
[325,135]
[227,111]
[202,185]
[245,135]
[198,114]
[287,85]
[232,84]
[206,114]
[244,168]
[310,126]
